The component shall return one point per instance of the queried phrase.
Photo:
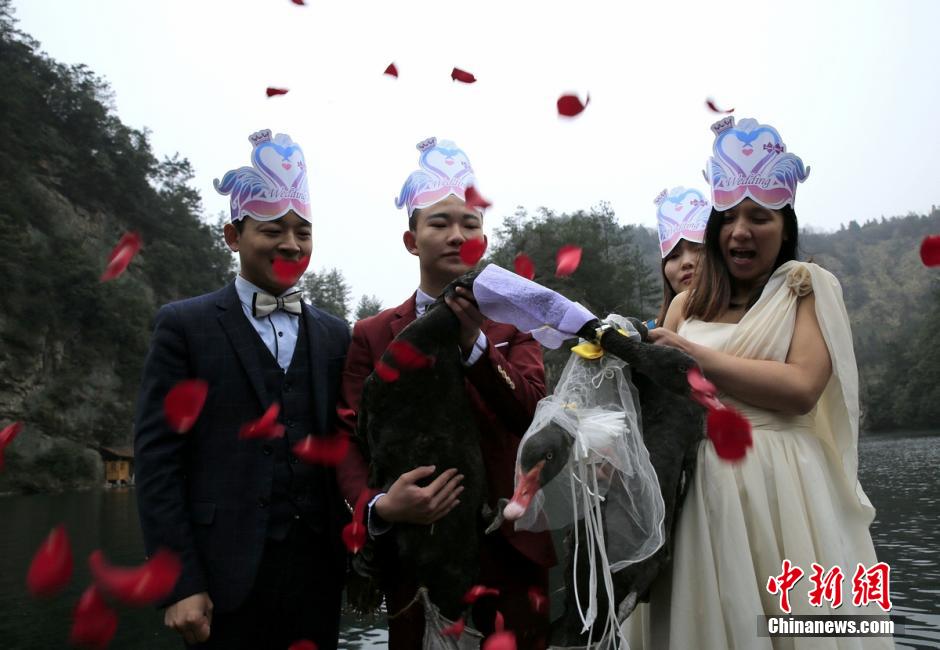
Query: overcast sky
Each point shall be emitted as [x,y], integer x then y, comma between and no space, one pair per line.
[851,86]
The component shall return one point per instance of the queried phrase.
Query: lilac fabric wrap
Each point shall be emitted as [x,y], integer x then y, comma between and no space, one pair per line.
[505,297]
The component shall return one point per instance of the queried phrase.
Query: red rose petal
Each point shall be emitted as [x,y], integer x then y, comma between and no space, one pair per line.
[703,391]
[354,536]
[288,272]
[567,260]
[472,250]
[299,2]
[499,623]
[478,591]
[570,105]
[322,450]
[714,107]
[93,622]
[408,357]
[930,250]
[184,402]
[392,70]
[137,586]
[303,644]
[462,75]
[7,436]
[264,427]
[386,372]
[455,629]
[474,199]
[354,533]
[524,266]
[500,641]
[730,432]
[51,568]
[271,91]
[538,601]
[122,254]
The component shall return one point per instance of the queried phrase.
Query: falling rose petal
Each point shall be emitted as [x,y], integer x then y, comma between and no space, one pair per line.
[408,357]
[354,533]
[272,91]
[303,644]
[524,266]
[462,75]
[137,586]
[392,70]
[730,432]
[713,107]
[500,641]
[264,427]
[93,622]
[51,568]
[455,629]
[474,199]
[472,250]
[478,591]
[703,391]
[122,254]
[320,450]
[570,105]
[499,623]
[288,272]
[386,372]
[354,536]
[6,437]
[567,260]
[184,402]
[538,601]
[930,250]
[299,2]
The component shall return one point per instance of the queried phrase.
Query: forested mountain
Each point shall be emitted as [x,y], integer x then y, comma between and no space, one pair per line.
[73,179]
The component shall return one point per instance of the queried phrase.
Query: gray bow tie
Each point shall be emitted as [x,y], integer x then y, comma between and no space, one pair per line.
[263,304]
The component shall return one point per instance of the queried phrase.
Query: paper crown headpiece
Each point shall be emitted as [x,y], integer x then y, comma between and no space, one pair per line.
[681,214]
[445,169]
[274,185]
[750,160]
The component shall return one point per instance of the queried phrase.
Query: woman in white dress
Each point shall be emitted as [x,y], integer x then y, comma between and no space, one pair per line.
[773,335]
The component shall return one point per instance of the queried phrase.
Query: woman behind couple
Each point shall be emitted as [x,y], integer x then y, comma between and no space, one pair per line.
[772,333]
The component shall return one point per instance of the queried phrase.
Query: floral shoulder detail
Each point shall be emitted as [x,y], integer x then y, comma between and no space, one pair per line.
[800,280]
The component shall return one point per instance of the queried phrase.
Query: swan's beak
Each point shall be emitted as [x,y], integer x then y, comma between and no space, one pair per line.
[527,485]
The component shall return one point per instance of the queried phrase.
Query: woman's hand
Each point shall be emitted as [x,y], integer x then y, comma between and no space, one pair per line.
[663,336]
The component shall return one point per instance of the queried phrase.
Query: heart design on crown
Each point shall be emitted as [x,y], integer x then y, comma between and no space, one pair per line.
[283,165]
[681,208]
[748,152]
[682,214]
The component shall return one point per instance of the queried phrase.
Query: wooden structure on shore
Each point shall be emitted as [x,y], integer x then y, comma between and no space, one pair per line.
[118,465]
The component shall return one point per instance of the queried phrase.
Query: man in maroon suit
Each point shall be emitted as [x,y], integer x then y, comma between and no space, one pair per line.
[504,381]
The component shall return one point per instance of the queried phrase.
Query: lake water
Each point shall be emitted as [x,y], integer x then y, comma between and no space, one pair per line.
[900,473]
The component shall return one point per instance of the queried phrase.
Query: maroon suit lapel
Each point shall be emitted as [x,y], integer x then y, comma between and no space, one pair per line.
[404,314]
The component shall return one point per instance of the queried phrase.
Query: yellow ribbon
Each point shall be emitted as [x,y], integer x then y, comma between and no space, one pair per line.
[591,351]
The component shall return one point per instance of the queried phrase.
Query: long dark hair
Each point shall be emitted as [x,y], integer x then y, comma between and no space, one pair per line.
[711,289]
[668,294]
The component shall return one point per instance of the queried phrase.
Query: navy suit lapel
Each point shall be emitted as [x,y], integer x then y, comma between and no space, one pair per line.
[316,338]
[240,333]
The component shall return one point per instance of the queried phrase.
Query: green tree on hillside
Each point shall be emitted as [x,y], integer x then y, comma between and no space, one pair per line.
[368,306]
[328,291]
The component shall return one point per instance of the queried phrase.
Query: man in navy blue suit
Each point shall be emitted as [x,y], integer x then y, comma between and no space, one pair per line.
[257,531]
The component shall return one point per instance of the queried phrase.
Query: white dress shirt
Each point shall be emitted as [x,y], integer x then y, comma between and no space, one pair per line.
[278,330]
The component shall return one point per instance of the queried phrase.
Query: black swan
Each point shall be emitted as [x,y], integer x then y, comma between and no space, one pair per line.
[423,416]
[672,428]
